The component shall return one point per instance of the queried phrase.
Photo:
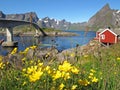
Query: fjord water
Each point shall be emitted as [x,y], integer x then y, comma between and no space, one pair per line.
[60,42]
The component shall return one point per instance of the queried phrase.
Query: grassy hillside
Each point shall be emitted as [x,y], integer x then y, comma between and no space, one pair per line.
[99,70]
[29,28]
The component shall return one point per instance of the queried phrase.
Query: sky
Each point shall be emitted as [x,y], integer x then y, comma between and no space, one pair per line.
[70,10]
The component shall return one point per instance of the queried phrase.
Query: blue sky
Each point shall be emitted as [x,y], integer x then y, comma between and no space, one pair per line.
[70,10]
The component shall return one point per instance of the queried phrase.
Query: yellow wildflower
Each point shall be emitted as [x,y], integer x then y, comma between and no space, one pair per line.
[63,74]
[118,58]
[2,65]
[47,55]
[24,70]
[92,70]
[38,61]
[35,76]
[26,50]
[40,64]
[48,69]
[72,54]
[61,86]
[33,47]
[66,76]
[29,70]
[85,56]
[14,51]
[91,74]
[23,59]
[94,79]
[57,75]
[31,61]
[24,83]
[75,70]
[74,87]
[65,66]
[84,82]
[34,72]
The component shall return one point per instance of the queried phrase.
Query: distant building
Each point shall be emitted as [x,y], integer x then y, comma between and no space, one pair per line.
[97,33]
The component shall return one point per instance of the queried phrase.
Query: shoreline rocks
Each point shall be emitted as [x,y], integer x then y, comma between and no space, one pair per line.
[52,33]
[70,54]
[48,54]
[81,50]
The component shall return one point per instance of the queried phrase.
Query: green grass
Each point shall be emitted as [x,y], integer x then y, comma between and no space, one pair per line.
[28,28]
[99,70]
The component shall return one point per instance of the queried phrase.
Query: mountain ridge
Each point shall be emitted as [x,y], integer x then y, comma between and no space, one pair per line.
[105,17]
[45,22]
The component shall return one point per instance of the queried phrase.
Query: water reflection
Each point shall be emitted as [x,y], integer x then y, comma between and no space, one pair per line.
[60,42]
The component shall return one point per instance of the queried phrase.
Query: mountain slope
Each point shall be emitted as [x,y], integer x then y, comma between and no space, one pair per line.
[44,22]
[106,17]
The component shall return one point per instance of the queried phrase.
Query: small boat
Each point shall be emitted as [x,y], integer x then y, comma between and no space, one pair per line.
[1,41]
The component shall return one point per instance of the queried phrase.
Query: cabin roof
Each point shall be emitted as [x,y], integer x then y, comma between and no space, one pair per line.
[109,31]
[114,31]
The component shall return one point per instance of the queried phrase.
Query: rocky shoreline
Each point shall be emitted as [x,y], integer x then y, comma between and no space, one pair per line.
[52,53]
[91,47]
[52,33]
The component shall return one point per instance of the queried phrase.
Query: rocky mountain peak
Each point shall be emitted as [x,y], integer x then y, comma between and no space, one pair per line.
[106,7]
[103,18]
[25,16]
[2,15]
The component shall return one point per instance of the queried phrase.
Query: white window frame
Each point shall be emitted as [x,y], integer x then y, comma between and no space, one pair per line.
[103,37]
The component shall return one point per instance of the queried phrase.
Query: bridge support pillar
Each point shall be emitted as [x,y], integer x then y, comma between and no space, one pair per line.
[36,33]
[9,35]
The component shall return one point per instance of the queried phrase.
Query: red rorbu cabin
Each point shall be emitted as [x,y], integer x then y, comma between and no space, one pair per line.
[108,36]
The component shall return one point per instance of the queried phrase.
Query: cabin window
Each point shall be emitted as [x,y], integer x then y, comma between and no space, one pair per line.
[103,36]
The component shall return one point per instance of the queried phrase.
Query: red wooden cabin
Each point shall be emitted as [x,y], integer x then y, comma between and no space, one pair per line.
[108,36]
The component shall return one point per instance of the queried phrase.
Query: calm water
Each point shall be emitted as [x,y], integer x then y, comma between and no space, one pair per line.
[61,43]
